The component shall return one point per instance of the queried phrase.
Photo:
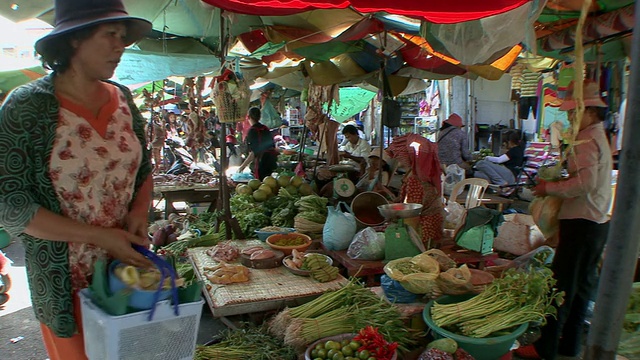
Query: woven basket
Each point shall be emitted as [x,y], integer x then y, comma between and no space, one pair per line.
[231,100]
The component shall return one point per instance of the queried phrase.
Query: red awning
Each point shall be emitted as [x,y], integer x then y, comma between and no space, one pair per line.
[440,12]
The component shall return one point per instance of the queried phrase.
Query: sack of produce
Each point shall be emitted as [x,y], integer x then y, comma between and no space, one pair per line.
[340,227]
[518,235]
[367,245]
[443,259]
[455,281]
[395,292]
[455,214]
[544,211]
[417,274]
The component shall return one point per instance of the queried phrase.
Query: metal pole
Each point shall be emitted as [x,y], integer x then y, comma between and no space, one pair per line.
[621,252]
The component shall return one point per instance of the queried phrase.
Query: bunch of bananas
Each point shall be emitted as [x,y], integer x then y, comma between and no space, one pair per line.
[320,269]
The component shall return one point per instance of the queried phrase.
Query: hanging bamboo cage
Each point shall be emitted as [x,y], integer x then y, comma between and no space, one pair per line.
[231,99]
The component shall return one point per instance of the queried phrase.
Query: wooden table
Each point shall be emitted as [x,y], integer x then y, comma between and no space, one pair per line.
[268,289]
[464,256]
[487,199]
[194,194]
[368,269]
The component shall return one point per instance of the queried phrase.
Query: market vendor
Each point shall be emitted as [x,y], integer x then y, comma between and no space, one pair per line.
[502,170]
[369,180]
[75,179]
[262,149]
[421,183]
[453,145]
[584,225]
[356,150]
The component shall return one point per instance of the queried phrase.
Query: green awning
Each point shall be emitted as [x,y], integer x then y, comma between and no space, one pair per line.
[352,101]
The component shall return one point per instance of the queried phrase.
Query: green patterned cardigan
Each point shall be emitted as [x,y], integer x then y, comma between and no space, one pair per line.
[28,122]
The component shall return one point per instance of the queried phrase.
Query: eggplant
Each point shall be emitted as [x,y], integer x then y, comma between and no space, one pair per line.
[160,238]
[169,229]
[172,238]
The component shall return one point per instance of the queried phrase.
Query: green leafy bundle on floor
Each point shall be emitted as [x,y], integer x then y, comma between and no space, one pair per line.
[247,343]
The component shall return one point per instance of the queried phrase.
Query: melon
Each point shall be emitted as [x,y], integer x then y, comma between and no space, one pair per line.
[305,189]
[266,188]
[296,181]
[260,195]
[244,189]
[283,180]
[254,184]
[271,182]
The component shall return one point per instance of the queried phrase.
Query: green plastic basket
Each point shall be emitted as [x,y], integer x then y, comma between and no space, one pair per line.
[5,238]
[480,348]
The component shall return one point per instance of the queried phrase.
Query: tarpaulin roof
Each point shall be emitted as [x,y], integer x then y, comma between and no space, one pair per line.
[443,12]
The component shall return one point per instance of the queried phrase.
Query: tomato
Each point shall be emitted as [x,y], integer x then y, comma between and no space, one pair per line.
[322,353]
[355,345]
[371,358]
[331,352]
[347,350]
[319,346]
[314,353]
[345,342]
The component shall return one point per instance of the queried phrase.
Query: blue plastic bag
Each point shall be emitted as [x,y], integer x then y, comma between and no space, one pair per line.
[340,227]
[394,291]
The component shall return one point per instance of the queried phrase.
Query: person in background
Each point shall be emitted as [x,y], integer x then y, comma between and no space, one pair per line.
[75,179]
[157,142]
[369,180]
[453,145]
[502,170]
[421,183]
[584,225]
[262,150]
[356,149]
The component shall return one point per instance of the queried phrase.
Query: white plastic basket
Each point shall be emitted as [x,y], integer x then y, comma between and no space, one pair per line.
[133,337]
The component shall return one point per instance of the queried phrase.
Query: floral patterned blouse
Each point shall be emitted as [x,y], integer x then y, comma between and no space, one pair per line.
[93,167]
[431,218]
[29,119]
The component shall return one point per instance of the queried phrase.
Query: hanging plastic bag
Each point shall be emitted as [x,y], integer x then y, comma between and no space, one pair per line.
[339,228]
[544,211]
[454,174]
[269,116]
[367,245]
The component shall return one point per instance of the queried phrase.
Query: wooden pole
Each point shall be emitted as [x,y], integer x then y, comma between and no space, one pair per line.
[621,254]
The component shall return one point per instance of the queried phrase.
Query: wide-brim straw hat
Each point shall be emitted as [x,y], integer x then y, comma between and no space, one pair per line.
[73,15]
[590,94]
[376,153]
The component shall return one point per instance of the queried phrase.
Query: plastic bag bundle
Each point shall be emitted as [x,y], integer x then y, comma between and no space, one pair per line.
[339,228]
[544,211]
[443,259]
[231,98]
[367,245]
[455,281]
[417,274]
[454,174]
[395,292]
[454,215]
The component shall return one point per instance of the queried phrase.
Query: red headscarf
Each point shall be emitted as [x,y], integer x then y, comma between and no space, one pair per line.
[421,154]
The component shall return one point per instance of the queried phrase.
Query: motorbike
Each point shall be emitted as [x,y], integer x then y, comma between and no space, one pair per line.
[179,158]
[5,280]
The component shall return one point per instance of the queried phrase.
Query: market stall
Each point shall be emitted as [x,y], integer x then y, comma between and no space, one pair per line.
[267,289]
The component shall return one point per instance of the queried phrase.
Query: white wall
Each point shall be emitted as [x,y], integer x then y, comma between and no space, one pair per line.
[493,104]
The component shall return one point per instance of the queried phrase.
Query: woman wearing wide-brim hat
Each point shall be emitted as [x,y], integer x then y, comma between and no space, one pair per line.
[75,180]
[453,145]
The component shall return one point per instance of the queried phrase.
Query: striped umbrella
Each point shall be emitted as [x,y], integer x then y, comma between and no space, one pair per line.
[14,78]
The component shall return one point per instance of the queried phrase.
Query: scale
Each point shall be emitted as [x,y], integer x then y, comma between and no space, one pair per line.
[401,240]
[342,186]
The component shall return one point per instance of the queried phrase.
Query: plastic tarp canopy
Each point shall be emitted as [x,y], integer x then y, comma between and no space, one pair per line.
[444,12]
[14,78]
[352,101]
[141,66]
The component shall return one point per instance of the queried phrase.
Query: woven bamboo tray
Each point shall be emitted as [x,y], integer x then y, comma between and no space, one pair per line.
[267,289]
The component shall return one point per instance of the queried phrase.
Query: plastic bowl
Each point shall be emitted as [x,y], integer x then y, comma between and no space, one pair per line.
[304,272]
[139,299]
[307,353]
[263,235]
[480,348]
[288,249]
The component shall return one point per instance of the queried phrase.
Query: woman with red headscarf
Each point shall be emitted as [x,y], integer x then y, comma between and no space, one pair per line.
[421,183]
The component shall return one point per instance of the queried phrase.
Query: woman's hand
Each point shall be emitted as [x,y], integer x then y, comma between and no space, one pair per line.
[137,223]
[118,242]
[540,189]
